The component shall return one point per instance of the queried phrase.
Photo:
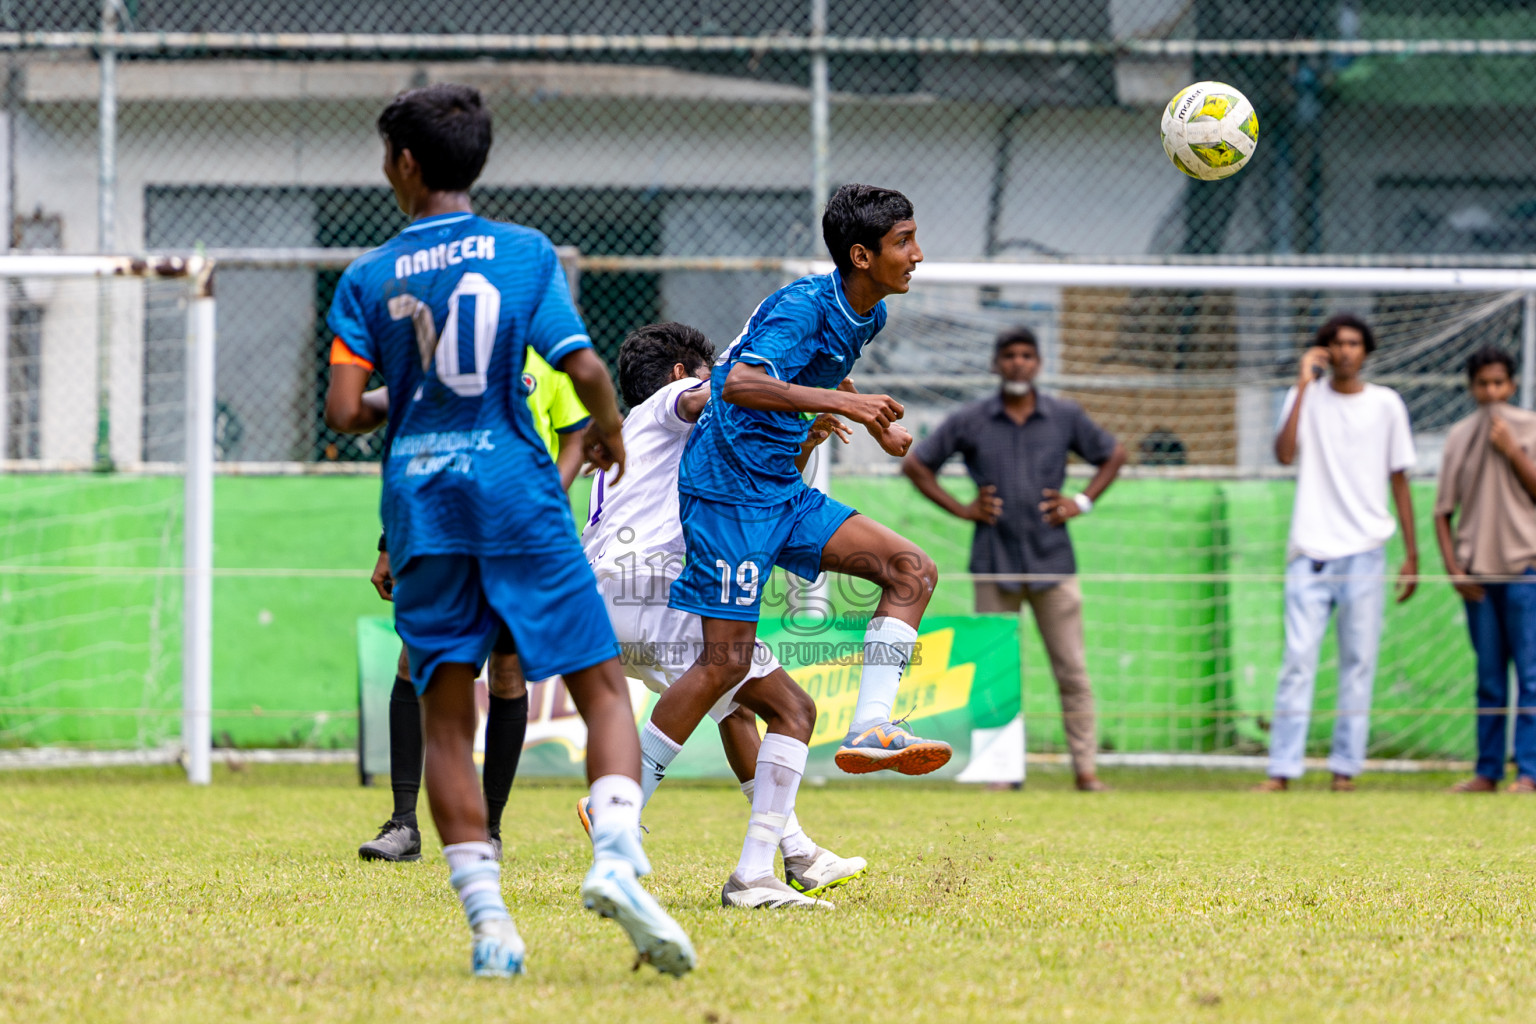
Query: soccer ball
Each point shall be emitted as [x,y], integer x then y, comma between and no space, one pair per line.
[1210,130]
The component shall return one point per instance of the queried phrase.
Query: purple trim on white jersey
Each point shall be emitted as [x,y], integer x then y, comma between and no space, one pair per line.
[597,499]
[679,397]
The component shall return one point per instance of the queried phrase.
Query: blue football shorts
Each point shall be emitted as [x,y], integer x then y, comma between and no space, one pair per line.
[733,548]
[450,608]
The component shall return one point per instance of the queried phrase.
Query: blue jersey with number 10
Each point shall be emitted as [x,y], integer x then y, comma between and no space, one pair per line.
[805,333]
[445,311]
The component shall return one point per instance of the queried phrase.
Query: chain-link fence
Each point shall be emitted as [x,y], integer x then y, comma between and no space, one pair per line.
[656,130]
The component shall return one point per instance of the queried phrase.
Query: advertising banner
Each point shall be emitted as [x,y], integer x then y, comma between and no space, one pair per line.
[962,686]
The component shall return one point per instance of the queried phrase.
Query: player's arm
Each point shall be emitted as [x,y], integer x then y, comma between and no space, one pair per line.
[750,386]
[595,389]
[569,457]
[352,360]
[569,418]
[345,409]
[822,428]
[691,403]
[893,439]
[383,579]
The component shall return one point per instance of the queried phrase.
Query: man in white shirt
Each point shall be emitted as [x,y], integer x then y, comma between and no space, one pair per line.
[1349,439]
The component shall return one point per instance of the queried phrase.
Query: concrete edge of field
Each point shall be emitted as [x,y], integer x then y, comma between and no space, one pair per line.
[62,757]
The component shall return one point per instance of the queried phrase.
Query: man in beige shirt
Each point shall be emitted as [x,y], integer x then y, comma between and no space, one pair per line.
[1488,484]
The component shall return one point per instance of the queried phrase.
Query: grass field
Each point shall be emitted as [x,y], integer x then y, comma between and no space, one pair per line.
[129,896]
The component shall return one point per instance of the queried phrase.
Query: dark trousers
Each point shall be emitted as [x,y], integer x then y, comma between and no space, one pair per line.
[1503,628]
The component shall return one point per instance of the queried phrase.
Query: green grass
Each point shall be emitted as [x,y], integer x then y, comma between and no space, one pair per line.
[129,896]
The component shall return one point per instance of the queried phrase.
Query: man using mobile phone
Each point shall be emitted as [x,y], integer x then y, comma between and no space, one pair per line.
[1349,441]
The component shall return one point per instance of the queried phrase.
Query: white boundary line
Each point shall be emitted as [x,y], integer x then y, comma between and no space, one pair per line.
[62,757]
[1242,762]
[55,757]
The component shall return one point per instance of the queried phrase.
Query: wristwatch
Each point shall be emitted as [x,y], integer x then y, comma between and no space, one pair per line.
[1084,503]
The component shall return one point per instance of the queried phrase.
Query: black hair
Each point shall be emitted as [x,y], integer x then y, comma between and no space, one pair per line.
[1338,322]
[647,356]
[1015,336]
[860,215]
[446,128]
[1487,356]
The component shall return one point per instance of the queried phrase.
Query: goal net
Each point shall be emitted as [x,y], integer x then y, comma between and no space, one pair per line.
[1182,561]
[105,500]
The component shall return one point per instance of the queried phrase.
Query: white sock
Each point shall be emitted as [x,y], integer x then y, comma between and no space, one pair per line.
[888,644]
[476,877]
[780,764]
[795,842]
[463,855]
[656,753]
[615,802]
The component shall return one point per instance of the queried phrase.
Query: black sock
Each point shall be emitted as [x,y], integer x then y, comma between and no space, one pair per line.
[405,749]
[506,725]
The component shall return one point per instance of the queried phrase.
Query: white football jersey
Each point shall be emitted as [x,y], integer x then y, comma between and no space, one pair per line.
[633,526]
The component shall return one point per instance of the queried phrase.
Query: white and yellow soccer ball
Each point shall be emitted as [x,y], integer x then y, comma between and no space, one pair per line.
[1210,131]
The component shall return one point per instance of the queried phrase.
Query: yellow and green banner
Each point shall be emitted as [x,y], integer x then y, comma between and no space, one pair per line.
[962,686]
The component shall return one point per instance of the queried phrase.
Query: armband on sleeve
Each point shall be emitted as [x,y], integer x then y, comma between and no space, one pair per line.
[341,355]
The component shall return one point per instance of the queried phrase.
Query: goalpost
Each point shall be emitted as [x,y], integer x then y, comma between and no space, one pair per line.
[90,343]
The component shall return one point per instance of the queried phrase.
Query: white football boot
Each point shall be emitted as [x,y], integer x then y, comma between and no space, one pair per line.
[822,870]
[612,889]
[498,950]
[766,893]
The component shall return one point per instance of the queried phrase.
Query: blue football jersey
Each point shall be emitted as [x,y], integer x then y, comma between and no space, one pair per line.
[804,333]
[445,311]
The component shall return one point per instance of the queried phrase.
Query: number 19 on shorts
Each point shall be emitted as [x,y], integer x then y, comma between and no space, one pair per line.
[744,576]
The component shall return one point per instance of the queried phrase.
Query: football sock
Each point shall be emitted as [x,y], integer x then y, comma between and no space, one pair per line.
[656,752]
[795,842]
[615,804]
[888,644]
[780,764]
[506,726]
[476,877]
[405,749]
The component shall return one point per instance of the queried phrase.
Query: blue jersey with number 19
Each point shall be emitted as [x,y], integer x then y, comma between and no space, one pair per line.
[445,311]
[805,333]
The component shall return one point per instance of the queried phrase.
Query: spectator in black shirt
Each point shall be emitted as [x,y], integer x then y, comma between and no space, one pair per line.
[1015,446]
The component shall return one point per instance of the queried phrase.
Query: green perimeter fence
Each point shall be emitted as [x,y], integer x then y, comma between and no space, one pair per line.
[1181,582]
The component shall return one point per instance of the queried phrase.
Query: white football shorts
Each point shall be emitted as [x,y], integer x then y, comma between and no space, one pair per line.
[657,643]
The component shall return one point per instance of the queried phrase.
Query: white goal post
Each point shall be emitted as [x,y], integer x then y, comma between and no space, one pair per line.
[196,274]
